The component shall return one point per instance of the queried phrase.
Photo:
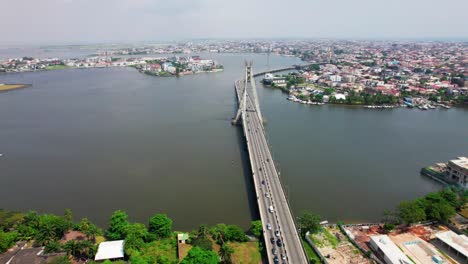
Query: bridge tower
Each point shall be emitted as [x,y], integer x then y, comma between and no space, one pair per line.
[248,80]
[251,80]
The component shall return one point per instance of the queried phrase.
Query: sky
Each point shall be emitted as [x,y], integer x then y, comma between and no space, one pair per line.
[113,21]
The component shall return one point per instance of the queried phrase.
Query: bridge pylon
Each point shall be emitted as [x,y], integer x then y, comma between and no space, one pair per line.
[248,80]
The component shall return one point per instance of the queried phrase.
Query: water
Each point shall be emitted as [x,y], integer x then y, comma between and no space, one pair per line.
[98,140]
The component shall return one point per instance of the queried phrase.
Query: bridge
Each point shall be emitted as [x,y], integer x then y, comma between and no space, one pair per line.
[277,219]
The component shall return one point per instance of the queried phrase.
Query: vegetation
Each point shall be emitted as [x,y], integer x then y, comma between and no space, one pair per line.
[311,255]
[57,67]
[160,225]
[156,243]
[440,206]
[197,255]
[117,226]
[309,222]
[256,228]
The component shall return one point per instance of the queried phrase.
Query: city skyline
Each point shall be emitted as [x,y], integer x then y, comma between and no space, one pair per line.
[105,21]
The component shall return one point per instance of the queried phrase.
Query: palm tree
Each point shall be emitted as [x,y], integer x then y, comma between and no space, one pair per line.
[226,253]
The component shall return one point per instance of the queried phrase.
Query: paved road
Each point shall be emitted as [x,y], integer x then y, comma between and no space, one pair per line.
[269,191]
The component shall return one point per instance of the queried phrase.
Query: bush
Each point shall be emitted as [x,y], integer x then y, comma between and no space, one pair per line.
[203,243]
[52,247]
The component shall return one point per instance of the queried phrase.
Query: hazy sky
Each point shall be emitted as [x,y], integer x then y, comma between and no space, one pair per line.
[91,21]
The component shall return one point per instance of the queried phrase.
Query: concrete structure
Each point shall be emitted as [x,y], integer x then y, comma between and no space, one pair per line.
[454,242]
[388,250]
[182,238]
[457,171]
[110,250]
[278,223]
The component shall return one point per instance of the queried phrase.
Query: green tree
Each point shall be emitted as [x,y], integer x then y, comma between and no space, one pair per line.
[202,231]
[135,235]
[411,212]
[53,246]
[68,216]
[309,222]
[162,259]
[117,226]
[218,233]
[160,225]
[7,240]
[256,228]
[203,242]
[328,91]
[59,260]
[197,255]
[452,198]
[89,229]
[235,233]
[225,252]
[50,228]
[137,258]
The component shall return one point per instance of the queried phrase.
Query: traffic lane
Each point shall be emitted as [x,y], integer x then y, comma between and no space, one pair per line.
[259,148]
[288,230]
[280,209]
[253,145]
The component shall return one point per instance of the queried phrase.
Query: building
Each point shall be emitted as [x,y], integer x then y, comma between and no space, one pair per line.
[457,171]
[455,243]
[110,250]
[182,238]
[385,248]
[272,79]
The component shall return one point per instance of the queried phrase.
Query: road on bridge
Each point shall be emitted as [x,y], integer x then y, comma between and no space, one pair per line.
[278,224]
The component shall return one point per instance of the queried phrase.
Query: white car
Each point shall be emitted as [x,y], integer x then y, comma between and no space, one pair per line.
[277,233]
[268,226]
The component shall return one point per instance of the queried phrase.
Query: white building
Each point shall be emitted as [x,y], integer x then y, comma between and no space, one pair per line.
[457,171]
[388,250]
[454,242]
[110,250]
[335,78]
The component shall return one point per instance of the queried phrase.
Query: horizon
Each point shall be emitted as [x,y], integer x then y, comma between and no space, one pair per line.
[64,22]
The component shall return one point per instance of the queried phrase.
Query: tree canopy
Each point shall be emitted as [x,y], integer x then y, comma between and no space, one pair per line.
[309,222]
[117,226]
[197,255]
[160,225]
[256,228]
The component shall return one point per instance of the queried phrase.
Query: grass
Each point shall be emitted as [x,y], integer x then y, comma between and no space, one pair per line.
[464,211]
[166,247]
[331,238]
[324,239]
[245,253]
[100,239]
[8,87]
[311,255]
[56,67]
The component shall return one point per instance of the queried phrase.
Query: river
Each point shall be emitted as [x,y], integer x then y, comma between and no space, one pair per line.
[98,140]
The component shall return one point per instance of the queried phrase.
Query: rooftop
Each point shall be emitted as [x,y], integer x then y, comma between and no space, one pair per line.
[391,251]
[110,250]
[461,161]
[457,242]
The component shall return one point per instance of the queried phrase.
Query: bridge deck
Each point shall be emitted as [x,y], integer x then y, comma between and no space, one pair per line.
[268,189]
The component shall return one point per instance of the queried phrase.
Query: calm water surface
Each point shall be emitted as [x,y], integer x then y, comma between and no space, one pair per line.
[104,139]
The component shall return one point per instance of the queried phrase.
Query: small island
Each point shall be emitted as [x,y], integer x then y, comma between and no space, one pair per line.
[177,66]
